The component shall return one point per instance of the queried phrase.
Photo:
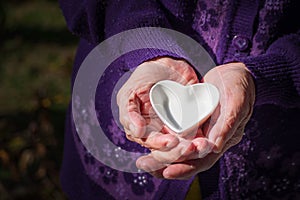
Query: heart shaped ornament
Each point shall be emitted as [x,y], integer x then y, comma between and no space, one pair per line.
[181,107]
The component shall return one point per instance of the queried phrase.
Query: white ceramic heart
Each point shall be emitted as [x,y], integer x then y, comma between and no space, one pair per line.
[183,107]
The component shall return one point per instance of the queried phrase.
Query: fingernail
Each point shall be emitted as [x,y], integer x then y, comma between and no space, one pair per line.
[166,174]
[203,149]
[217,145]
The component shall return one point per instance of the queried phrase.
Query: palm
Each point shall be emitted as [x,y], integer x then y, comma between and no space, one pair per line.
[136,114]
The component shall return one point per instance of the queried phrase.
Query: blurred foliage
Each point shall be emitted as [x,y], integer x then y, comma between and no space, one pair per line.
[36,56]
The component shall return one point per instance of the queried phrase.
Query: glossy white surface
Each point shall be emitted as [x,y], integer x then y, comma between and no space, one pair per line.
[183,107]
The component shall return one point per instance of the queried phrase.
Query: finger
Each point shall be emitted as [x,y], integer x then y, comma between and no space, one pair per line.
[153,124]
[211,121]
[159,141]
[176,154]
[223,129]
[155,140]
[187,169]
[150,165]
[131,118]
[146,109]
[235,117]
[193,133]
[203,146]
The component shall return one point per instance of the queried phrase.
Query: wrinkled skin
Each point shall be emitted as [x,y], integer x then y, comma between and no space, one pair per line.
[175,156]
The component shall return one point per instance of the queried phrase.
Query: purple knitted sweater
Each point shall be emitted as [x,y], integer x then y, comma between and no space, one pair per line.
[263,34]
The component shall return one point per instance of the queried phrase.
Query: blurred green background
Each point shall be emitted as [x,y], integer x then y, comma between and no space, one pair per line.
[36,56]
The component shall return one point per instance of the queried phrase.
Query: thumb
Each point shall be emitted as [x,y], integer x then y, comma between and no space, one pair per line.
[220,131]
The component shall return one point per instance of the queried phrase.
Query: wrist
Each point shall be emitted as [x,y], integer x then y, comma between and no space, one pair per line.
[178,67]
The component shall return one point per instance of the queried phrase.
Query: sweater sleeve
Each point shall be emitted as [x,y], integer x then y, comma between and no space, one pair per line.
[95,21]
[277,72]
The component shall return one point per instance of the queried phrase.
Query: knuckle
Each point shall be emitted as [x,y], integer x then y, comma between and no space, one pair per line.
[230,120]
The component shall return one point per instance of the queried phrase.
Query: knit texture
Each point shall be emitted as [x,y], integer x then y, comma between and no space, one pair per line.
[266,163]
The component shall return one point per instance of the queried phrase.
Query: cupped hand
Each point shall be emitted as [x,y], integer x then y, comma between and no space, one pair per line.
[224,129]
[140,123]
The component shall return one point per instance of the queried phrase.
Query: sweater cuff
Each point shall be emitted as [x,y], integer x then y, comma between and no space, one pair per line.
[273,74]
[152,42]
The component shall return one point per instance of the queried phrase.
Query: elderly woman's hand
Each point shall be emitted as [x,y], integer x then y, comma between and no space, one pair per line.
[136,114]
[224,129]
